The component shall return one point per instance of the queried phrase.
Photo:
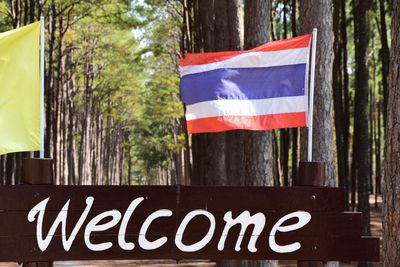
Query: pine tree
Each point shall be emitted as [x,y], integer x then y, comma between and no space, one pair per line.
[391,210]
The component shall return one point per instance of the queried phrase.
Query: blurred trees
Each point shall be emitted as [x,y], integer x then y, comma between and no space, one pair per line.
[108,95]
[113,113]
[114,116]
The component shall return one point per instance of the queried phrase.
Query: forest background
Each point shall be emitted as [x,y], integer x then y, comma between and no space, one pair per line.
[114,115]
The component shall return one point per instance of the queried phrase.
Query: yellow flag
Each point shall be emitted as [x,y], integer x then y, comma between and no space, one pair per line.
[20,89]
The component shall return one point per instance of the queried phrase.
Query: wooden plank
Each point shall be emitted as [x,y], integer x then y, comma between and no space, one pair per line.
[329,224]
[327,233]
[105,197]
[267,198]
[343,249]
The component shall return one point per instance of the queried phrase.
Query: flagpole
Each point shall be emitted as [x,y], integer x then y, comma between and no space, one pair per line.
[311,107]
[42,87]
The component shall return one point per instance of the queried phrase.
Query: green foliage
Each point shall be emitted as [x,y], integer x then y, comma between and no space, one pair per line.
[124,54]
[4,18]
[132,49]
[156,135]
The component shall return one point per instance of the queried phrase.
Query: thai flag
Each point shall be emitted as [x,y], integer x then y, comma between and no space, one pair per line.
[259,89]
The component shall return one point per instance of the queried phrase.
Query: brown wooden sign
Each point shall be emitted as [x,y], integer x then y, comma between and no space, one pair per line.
[46,223]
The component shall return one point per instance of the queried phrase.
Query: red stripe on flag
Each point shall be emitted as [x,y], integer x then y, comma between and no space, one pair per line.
[263,122]
[205,58]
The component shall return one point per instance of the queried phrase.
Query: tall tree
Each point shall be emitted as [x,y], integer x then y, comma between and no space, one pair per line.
[310,17]
[361,151]
[346,98]
[209,164]
[259,147]
[284,134]
[384,55]
[339,93]
[391,207]
[234,139]
[260,168]
[295,131]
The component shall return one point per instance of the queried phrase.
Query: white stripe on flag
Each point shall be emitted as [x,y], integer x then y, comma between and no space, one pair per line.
[253,60]
[255,107]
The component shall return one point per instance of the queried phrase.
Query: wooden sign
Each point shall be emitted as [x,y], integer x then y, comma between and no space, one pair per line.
[47,223]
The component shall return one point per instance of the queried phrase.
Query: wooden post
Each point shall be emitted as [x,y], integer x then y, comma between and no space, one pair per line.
[37,172]
[311,173]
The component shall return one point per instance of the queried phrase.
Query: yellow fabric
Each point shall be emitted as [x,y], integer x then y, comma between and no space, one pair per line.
[20,89]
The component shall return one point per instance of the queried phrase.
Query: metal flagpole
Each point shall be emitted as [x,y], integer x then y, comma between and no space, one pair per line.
[311,104]
[42,87]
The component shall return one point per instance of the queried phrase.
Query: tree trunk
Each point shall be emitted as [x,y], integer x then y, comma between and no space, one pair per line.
[361,138]
[310,17]
[284,136]
[260,168]
[346,101]
[384,56]
[209,148]
[371,102]
[337,86]
[295,131]
[49,81]
[378,137]
[217,154]
[391,209]
[31,11]
[227,37]
[206,15]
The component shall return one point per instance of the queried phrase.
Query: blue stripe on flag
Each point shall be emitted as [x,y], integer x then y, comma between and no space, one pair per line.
[244,83]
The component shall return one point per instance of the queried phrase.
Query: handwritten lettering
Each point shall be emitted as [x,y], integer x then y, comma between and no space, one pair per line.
[111,218]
